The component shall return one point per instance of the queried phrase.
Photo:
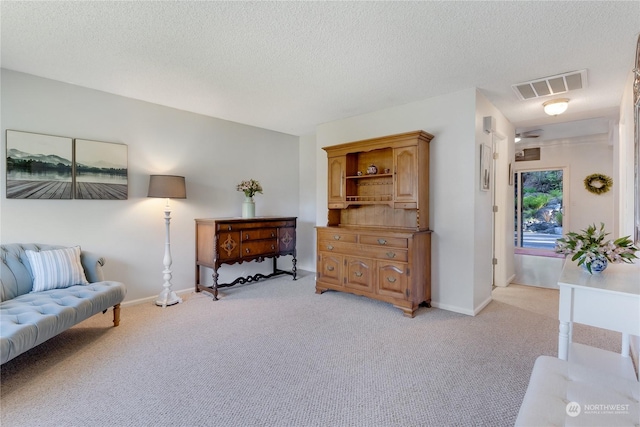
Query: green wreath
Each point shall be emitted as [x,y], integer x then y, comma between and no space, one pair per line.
[597,183]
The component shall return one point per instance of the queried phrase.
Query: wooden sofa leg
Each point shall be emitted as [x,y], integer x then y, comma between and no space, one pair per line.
[116,315]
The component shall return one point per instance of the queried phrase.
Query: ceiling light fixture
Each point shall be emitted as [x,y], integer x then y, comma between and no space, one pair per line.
[556,106]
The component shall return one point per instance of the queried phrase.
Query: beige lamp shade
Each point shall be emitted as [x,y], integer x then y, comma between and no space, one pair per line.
[167,186]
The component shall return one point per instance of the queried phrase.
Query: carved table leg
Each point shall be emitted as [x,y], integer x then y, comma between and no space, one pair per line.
[215,284]
[294,269]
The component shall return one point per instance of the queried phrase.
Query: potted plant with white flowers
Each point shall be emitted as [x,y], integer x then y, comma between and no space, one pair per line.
[593,252]
[250,188]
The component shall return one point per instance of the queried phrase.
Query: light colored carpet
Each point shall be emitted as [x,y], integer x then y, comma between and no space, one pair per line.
[274,353]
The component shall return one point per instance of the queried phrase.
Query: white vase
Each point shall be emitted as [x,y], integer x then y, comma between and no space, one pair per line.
[248,208]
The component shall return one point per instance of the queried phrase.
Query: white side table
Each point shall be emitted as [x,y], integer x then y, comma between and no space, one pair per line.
[608,300]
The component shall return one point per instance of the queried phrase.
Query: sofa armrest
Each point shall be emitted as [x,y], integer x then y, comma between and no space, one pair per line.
[92,265]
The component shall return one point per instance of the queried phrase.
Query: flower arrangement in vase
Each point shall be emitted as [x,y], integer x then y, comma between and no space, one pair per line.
[591,250]
[250,188]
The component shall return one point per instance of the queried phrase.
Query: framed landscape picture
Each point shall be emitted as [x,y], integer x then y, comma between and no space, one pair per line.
[100,170]
[39,166]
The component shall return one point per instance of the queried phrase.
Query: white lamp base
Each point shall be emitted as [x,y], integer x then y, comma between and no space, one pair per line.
[168,297]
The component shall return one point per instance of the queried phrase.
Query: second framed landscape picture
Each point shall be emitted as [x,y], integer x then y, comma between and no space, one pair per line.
[100,170]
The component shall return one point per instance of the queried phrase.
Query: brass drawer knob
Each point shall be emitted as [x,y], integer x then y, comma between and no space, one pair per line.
[358,273]
[391,254]
[336,237]
[382,241]
[247,250]
[330,247]
[391,279]
[330,267]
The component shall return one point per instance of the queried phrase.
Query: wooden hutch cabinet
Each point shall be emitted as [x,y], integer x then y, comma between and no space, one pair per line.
[377,242]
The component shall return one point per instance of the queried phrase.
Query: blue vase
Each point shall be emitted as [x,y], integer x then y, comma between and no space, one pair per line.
[598,265]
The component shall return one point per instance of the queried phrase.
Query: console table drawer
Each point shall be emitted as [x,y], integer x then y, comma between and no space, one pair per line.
[259,247]
[259,234]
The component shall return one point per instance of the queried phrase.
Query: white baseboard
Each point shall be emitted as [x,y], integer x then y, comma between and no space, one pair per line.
[151,299]
[453,308]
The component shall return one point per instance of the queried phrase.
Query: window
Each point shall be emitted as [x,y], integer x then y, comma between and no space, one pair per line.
[539,209]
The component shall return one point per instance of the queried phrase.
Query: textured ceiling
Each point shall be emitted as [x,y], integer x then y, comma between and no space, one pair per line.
[289,66]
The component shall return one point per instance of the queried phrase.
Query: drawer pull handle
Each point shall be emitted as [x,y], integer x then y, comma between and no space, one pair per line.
[358,273]
[336,237]
[391,254]
[330,268]
[330,247]
[229,228]
[246,236]
[391,279]
[273,247]
[273,234]
[382,241]
[247,250]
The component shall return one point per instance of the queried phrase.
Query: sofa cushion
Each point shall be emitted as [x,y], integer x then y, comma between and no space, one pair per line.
[56,268]
[31,319]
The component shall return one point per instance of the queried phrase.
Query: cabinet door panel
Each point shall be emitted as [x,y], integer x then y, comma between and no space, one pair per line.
[330,268]
[392,280]
[406,164]
[336,195]
[359,274]
[229,245]
[286,239]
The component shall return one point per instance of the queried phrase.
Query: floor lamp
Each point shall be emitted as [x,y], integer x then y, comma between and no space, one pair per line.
[169,187]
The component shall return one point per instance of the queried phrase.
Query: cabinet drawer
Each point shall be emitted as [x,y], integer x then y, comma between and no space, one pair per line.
[336,236]
[390,254]
[338,247]
[259,234]
[394,242]
[259,247]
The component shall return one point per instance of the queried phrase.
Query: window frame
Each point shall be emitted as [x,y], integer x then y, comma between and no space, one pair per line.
[517,180]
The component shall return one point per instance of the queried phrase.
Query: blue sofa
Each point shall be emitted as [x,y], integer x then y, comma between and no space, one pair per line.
[28,318]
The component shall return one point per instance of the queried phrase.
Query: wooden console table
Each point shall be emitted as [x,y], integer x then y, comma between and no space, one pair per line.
[608,300]
[236,240]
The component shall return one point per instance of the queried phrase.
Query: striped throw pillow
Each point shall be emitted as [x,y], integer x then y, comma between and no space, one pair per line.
[57,268]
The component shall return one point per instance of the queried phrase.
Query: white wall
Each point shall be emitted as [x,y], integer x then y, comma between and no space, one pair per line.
[625,193]
[214,155]
[582,156]
[501,138]
[306,233]
[454,187]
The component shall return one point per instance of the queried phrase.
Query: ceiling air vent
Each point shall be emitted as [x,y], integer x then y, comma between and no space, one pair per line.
[551,85]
